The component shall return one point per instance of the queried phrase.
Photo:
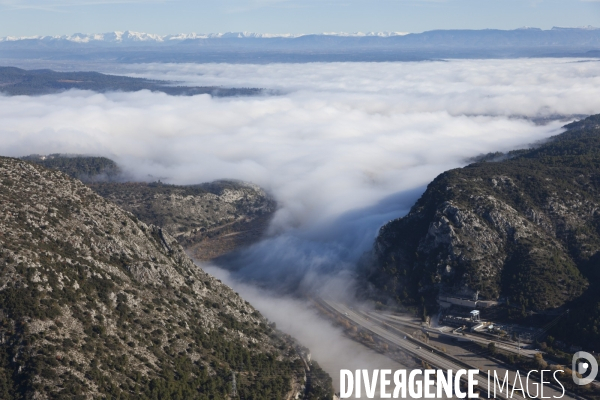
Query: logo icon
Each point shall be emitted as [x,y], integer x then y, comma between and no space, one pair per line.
[584,363]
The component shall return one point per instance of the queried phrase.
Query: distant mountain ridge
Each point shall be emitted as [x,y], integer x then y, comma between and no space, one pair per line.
[208,219]
[246,47]
[132,36]
[141,37]
[16,81]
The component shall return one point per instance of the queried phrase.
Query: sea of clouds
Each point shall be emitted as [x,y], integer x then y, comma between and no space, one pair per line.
[343,148]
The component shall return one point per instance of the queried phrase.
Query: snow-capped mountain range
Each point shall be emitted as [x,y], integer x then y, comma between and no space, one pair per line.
[247,47]
[131,36]
[141,37]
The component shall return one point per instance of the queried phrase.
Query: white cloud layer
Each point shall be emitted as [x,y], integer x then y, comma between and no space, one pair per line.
[341,138]
[327,343]
[45,5]
[345,148]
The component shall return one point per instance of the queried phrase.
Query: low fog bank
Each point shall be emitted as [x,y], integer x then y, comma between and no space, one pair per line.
[321,257]
[525,88]
[328,346]
[344,148]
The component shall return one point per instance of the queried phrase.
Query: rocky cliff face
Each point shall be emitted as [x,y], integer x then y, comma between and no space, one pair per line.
[526,229]
[95,303]
[208,219]
[84,168]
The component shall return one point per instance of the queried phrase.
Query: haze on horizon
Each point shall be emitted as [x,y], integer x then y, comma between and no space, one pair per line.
[60,17]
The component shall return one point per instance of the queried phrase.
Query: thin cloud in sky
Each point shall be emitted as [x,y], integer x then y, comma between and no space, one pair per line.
[51,5]
[74,2]
[38,17]
[237,6]
[246,5]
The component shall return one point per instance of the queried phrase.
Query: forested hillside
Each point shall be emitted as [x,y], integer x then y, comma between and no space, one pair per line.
[96,303]
[208,219]
[84,168]
[20,82]
[525,230]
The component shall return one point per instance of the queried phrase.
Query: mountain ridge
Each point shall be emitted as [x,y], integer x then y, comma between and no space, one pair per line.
[246,47]
[524,231]
[133,36]
[17,81]
[208,219]
[95,303]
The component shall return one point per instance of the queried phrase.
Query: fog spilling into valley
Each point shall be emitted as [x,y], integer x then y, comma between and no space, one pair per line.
[342,147]
[332,350]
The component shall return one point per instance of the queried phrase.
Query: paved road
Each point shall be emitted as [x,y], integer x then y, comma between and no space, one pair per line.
[409,322]
[373,321]
[420,352]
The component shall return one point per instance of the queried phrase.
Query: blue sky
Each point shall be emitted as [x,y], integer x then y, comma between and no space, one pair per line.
[53,17]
